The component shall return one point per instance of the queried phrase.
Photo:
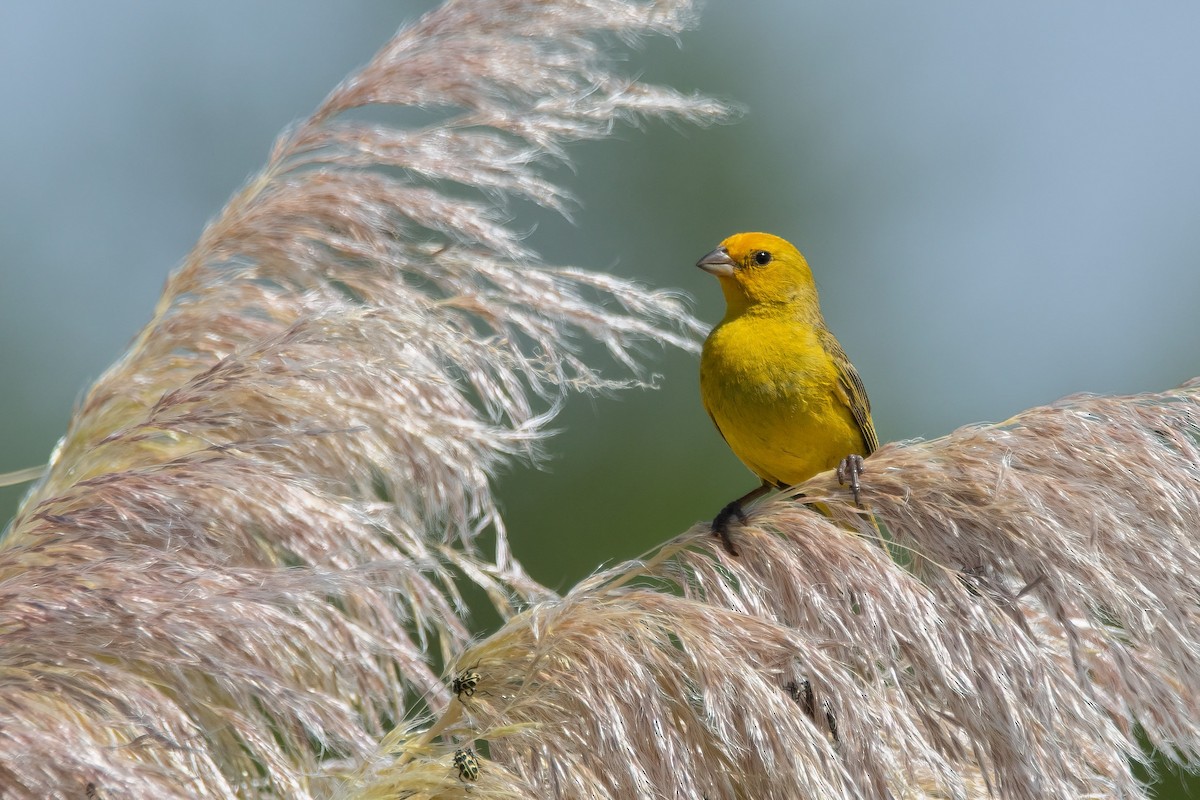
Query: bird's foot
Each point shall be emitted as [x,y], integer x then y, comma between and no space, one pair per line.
[720,524]
[848,471]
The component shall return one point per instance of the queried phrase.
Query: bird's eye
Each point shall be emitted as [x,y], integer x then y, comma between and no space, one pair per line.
[762,258]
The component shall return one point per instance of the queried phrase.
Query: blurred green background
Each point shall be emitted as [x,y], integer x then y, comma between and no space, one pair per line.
[999,202]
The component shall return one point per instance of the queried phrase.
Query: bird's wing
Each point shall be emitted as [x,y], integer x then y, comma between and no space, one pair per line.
[715,425]
[853,393]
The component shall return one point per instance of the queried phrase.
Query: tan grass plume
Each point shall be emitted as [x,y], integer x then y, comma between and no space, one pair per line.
[1047,616]
[240,568]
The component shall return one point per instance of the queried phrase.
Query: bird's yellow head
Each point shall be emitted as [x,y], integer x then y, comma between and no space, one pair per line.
[760,269]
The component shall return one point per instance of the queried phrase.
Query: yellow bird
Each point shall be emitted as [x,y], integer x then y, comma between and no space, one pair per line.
[775,382]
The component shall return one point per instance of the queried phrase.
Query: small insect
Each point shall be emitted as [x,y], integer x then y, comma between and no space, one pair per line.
[465,683]
[467,764]
[802,693]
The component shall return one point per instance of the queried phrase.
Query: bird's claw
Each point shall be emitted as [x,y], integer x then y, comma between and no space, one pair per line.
[720,524]
[848,471]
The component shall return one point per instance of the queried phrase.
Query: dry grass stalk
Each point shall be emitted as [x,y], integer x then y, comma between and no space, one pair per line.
[1050,608]
[241,565]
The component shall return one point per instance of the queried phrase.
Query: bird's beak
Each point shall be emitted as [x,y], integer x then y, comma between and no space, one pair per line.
[718,263]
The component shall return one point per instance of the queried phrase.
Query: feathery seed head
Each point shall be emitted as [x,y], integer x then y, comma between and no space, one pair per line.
[246,554]
[1014,657]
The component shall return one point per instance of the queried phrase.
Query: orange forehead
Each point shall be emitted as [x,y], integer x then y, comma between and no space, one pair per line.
[742,244]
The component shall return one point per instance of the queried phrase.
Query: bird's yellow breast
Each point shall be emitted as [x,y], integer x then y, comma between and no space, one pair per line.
[773,391]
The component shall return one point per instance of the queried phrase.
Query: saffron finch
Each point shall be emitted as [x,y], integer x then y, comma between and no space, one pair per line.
[774,380]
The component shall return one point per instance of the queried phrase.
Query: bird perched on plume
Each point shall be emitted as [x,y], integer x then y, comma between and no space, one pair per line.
[774,380]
